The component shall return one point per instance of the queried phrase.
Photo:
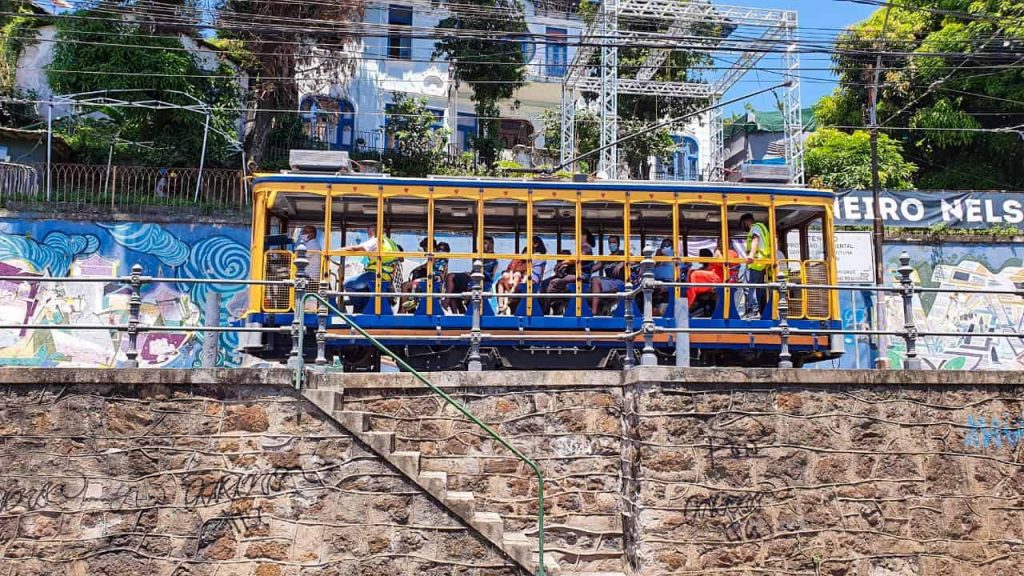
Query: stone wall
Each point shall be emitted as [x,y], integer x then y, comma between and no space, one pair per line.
[660,471]
[203,473]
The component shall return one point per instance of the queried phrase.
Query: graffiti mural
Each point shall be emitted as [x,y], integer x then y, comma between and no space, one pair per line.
[57,248]
[963,266]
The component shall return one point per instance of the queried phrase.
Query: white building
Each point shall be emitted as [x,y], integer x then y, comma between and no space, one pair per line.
[351,115]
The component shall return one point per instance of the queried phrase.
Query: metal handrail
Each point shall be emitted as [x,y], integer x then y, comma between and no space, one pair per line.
[325,306]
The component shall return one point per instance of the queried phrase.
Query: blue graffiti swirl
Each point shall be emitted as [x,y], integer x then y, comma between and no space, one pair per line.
[149,239]
[55,254]
[217,257]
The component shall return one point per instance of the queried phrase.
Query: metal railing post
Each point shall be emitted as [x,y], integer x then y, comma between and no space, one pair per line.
[785,358]
[321,328]
[627,316]
[295,359]
[134,306]
[475,364]
[647,357]
[907,291]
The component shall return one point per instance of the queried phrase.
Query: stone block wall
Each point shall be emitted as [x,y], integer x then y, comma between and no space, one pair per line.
[225,478]
[756,475]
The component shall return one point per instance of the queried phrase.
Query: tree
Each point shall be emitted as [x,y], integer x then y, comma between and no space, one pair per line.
[842,161]
[17,30]
[97,52]
[931,54]
[419,146]
[288,43]
[482,40]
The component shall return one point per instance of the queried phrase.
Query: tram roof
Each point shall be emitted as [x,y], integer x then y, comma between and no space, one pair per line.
[647,186]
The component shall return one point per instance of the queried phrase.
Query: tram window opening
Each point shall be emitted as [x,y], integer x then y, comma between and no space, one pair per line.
[752,236]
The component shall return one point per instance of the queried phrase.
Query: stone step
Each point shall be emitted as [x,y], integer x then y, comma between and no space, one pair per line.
[326,400]
[436,483]
[355,421]
[519,547]
[593,574]
[407,462]
[489,524]
[463,503]
[382,442]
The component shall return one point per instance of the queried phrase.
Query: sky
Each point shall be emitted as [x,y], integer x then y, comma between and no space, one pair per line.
[817,19]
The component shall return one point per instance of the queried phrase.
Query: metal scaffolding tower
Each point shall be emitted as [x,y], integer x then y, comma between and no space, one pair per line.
[669,25]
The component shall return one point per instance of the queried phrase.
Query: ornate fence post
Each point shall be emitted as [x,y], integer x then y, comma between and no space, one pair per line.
[475,364]
[627,317]
[295,360]
[907,291]
[321,327]
[134,307]
[785,359]
[647,357]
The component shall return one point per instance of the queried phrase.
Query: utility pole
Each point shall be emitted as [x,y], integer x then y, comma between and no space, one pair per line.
[878,232]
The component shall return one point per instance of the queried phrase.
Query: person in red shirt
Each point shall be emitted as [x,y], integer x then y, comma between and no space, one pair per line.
[703,299]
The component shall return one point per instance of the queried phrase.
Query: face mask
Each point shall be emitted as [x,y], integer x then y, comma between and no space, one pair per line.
[613,247]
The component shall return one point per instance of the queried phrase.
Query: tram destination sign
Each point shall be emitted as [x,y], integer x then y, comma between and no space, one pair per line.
[925,209]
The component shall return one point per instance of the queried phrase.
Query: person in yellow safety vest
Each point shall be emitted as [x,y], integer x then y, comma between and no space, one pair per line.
[366,282]
[758,247]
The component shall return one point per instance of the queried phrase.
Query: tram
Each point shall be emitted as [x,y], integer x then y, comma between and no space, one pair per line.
[431,230]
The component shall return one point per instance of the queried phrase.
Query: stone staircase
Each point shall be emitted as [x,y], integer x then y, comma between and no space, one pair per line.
[516,545]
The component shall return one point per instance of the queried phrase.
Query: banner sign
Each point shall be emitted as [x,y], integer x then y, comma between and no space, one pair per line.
[924,209]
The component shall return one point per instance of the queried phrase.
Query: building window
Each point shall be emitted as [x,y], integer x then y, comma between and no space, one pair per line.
[515,133]
[466,131]
[557,51]
[686,160]
[399,40]
[328,122]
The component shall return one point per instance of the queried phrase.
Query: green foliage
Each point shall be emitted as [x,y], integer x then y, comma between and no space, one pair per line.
[588,134]
[17,31]
[842,161]
[419,148]
[112,55]
[931,81]
[490,62]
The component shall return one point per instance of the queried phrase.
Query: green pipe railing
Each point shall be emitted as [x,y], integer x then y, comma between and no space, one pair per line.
[299,367]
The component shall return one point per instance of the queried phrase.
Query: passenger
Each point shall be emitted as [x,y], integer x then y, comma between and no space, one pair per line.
[314,253]
[514,274]
[613,279]
[665,271]
[703,299]
[461,282]
[408,303]
[758,247]
[565,274]
[366,281]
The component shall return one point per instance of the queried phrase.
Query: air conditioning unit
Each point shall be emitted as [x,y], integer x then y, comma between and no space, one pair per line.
[765,173]
[330,161]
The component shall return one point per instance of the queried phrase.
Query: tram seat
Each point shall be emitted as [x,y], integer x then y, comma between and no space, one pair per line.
[570,307]
[436,308]
[538,308]
[385,302]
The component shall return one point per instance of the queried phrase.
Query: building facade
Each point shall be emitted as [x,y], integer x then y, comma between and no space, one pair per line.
[352,114]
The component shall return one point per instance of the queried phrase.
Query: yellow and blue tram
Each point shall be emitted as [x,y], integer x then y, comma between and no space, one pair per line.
[443,224]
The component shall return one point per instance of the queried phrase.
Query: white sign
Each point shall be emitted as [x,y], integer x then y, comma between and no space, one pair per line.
[855,263]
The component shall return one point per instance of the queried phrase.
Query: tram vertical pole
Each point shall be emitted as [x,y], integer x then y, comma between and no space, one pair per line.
[134,307]
[476,303]
[647,357]
[295,361]
[627,317]
[321,328]
[785,358]
[910,329]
